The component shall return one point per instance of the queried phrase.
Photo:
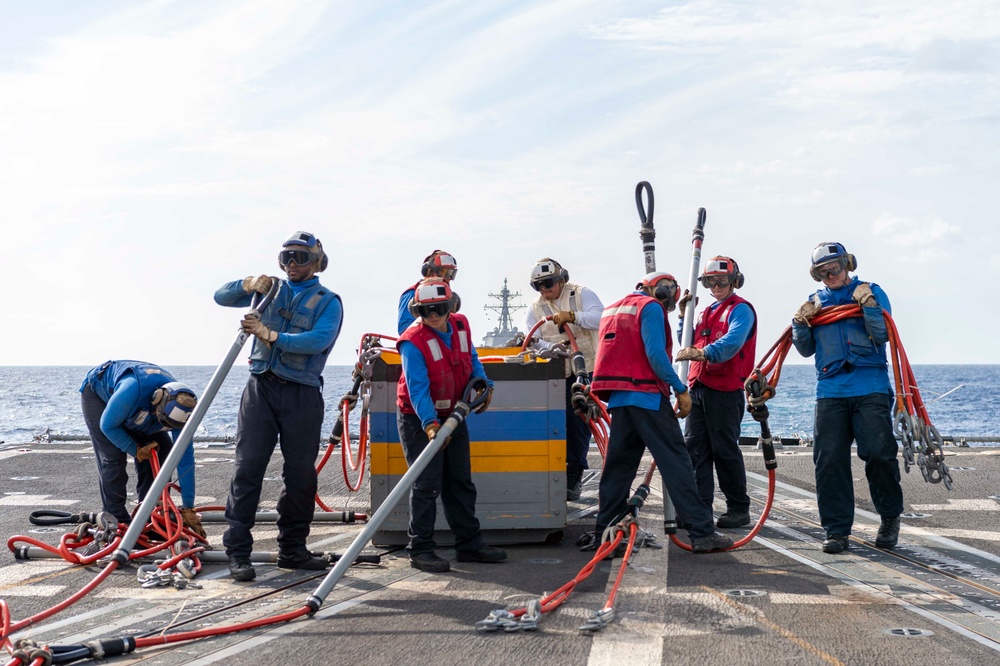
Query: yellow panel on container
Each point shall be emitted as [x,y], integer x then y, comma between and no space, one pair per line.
[531,456]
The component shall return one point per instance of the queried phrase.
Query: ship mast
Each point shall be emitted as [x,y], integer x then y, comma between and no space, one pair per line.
[505,308]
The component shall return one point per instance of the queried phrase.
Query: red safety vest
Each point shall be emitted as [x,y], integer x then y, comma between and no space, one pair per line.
[449,370]
[712,325]
[621,363]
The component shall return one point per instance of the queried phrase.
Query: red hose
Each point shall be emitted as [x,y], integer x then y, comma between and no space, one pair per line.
[600,426]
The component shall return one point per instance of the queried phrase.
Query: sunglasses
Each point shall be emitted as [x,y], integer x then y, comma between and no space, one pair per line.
[298,257]
[439,309]
[831,272]
[544,283]
[709,282]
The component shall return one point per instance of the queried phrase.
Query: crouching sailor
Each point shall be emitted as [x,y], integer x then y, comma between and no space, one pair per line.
[131,408]
[633,374]
[439,360]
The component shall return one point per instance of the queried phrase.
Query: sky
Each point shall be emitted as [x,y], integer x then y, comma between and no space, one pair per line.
[152,151]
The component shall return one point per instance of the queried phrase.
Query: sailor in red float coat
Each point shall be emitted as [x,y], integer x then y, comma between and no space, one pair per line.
[449,369]
[722,357]
[438,361]
[633,370]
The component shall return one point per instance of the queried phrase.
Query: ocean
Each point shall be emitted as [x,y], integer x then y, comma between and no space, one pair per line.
[36,399]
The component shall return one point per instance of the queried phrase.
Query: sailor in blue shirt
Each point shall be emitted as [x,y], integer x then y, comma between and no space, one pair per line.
[131,408]
[438,264]
[282,402]
[853,398]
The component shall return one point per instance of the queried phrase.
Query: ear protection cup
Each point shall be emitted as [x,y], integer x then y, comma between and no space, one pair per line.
[738,278]
[411,307]
[158,396]
[324,260]
[667,296]
[427,266]
[852,263]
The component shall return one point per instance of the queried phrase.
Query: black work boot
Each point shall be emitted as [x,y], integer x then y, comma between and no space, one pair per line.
[836,543]
[733,519]
[484,554]
[888,533]
[301,559]
[711,543]
[574,483]
[241,569]
[429,561]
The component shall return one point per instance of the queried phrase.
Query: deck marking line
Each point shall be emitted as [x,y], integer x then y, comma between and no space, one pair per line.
[762,619]
[270,633]
[905,529]
[844,578]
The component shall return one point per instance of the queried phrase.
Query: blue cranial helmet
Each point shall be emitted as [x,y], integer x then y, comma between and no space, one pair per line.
[307,241]
[829,253]
[174,402]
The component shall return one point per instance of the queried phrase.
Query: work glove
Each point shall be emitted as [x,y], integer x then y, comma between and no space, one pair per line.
[486,403]
[559,350]
[192,521]
[863,296]
[261,284]
[683,407]
[685,299]
[432,431]
[251,324]
[562,317]
[757,401]
[144,453]
[691,354]
[808,310]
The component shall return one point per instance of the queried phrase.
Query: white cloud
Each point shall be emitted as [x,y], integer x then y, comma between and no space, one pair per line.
[161,146]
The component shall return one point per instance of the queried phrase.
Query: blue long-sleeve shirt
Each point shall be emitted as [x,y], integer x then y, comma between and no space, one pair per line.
[122,404]
[652,325]
[323,334]
[403,317]
[419,383]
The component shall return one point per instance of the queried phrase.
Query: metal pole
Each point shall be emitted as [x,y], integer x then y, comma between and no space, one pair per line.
[145,510]
[687,331]
[316,599]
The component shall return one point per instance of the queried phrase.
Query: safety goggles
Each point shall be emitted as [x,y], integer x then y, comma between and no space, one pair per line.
[446,273]
[298,257]
[544,283]
[439,309]
[709,282]
[831,270]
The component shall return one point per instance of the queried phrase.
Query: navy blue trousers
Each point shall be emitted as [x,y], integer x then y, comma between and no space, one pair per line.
[112,462]
[577,433]
[449,475]
[712,437]
[633,430]
[867,420]
[275,413]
